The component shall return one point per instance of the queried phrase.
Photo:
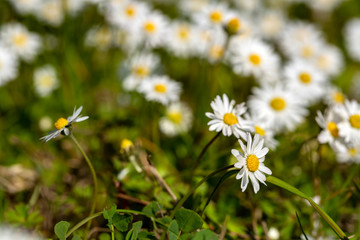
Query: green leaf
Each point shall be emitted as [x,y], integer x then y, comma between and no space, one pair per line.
[108,214]
[76,237]
[61,229]
[152,208]
[122,222]
[173,230]
[104,236]
[186,236]
[205,234]
[133,233]
[322,213]
[188,220]
[145,235]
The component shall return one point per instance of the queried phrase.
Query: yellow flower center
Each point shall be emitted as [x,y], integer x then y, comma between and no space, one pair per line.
[355,121]
[278,103]
[352,152]
[305,78]
[255,59]
[20,39]
[333,129]
[216,51]
[307,51]
[160,88]
[150,27]
[323,62]
[175,117]
[130,11]
[260,131]
[61,123]
[141,71]
[126,144]
[252,163]
[230,119]
[46,81]
[233,25]
[216,16]
[183,33]
[339,97]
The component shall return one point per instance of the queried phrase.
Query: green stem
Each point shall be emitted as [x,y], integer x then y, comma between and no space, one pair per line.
[202,154]
[192,190]
[297,192]
[88,219]
[112,232]
[93,173]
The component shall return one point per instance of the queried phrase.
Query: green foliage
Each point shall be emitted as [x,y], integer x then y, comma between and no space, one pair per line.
[122,222]
[152,209]
[205,234]
[134,232]
[173,230]
[61,229]
[188,220]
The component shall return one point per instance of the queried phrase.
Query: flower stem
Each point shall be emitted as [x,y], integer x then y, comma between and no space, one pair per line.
[202,154]
[93,173]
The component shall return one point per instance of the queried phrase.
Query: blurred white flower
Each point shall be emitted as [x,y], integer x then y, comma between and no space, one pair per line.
[347,153]
[352,36]
[181,39]
[45,80]
[271,23]
[212,15]
[227,117]
[51,12]
[278,106]
[153,27]
[334,96]
[329,60]
[178,119]
[273,234]
[11,233]
[25,6]
[160,89]
[349,128]
[8,65]
[62,125]
[25,44]
[251,162]
[45,123]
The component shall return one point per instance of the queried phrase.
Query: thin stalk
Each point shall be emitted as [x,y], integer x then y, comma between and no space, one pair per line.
[192,190]
[112,232]
[202,154]
[93,173]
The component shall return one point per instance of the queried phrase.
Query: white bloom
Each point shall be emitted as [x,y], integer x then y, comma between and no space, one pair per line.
[181,39]
[212,15]
[10,233]
[251,162]
[177,120]
[254,57]
[140,65]
[99,37]
[45,80]
[324,5]
[347,153]
[278,107]
[189,7]
[127,14]
[271,24]
[273,234]
[334,96]
[329,124]
[306,81]
[51,12]
[329,60]
[25,6]
[227,117]
[25,44]
[45,123]
[74,6]
[349,128]
[8,65]
[153,27]
[261,128]
[160,89]
[62,125]
[352,36]
[301,40]
[216,48]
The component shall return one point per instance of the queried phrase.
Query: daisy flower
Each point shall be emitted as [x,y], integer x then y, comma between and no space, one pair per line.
[177,120]
[160,89]
[126,14]
[254,57]
[227,117]
[216,48]
[25,44]
[329,60]
[8,65]
[334,96]
[352,34]
[99,37]
[349,128]
[329,123]
[141,65]
[25,6]
[212,15]
[62,125]
[261,128]
[233,23]
[277,106]
[306,81]
[189,7]
[45,80]
[251,162]
[181,39]
[153,27]
[347,153]
[51,12]
[271,24]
